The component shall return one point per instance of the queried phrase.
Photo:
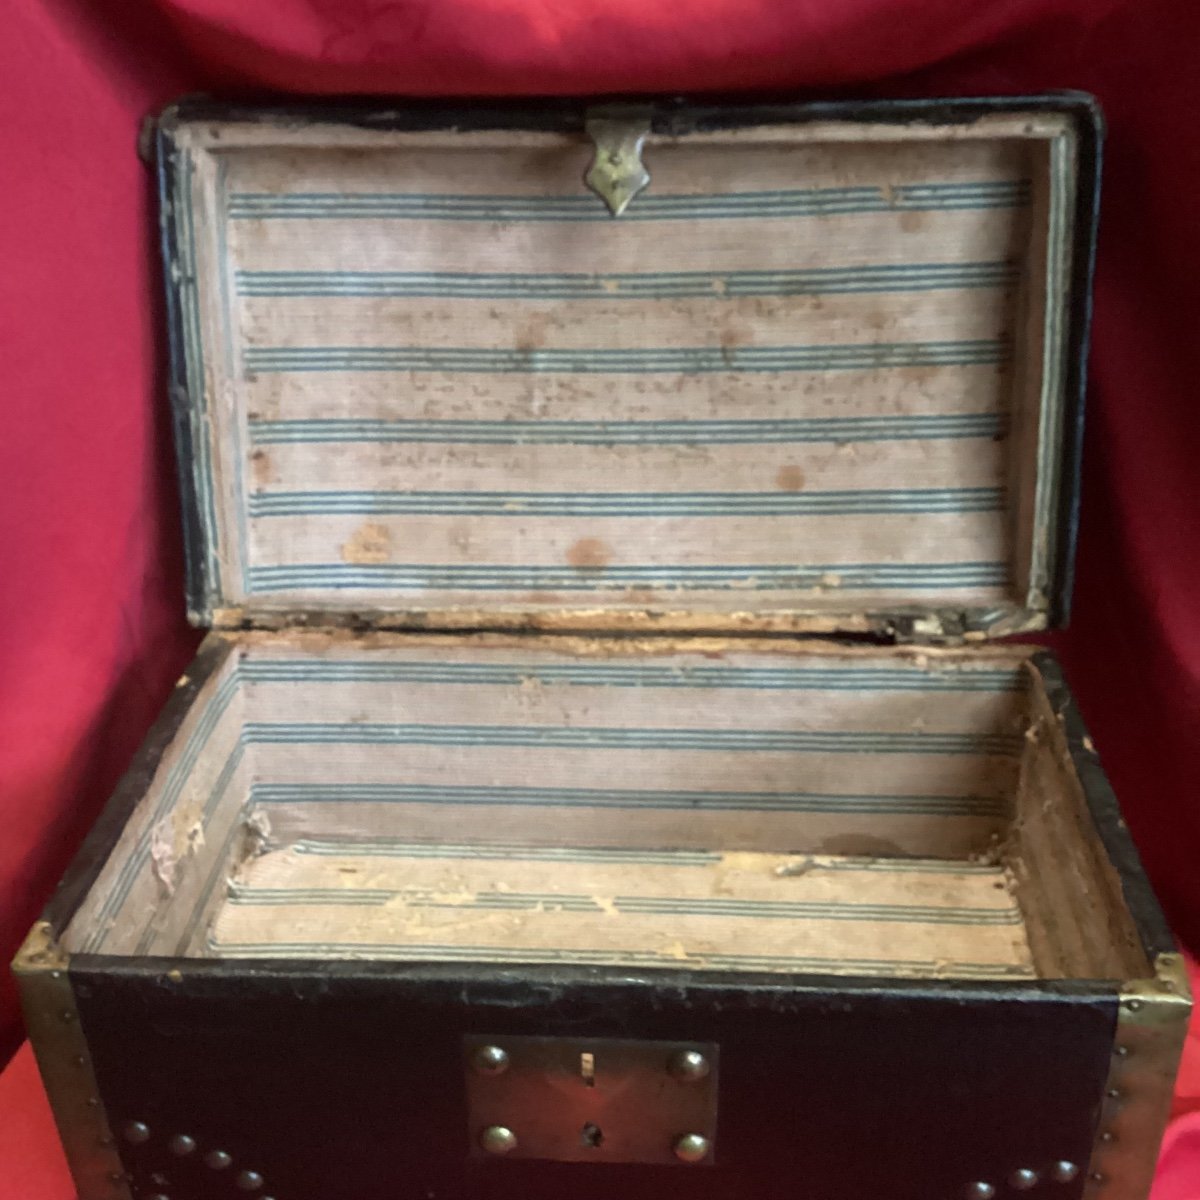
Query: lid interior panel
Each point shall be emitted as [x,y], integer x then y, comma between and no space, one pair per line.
[814,369]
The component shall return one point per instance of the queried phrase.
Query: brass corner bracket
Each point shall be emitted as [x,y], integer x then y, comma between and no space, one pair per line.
[1152,1022]
[52,1020]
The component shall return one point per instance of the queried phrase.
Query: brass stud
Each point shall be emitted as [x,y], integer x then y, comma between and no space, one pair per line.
[67,1015]
[1121,1051]
[1108,1136]
[490,1060]
[181,1145]
[691,1148]
[1063,1171]
[1133,1005]
[249,1181]
[136,1132]
[218,1160]
[979,1190]
[1022,1179]
[689,1066]
[498,1139]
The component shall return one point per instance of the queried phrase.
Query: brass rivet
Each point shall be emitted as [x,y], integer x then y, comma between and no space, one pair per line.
[181,1145]
[67,1015]
[1114,1093]
[93,1102]
[80,1061]
[1133,1005]
[1108,1136]
[1023,1179]
[979,1190]
[1122,1051]
[249,1181]
[689,1066]
[691,1148]
[490,1060]
[136,1132]
[498,1139]
[1096,1177]
[1063,1171]
[218,1160]
[55,974]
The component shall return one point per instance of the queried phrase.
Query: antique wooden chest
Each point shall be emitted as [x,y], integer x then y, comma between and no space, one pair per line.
[605,775]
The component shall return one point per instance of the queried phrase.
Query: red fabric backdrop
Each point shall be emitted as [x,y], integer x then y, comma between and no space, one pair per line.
[91,617]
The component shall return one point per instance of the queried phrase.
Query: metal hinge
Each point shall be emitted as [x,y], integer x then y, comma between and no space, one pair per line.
[617,173]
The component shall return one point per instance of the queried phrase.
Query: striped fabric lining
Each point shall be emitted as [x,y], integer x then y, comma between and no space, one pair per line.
[550,902]
[354,898]
[749,205]
[894,428]
[642,285]
[611,504]
[314,672]
[194,752]
[722,741]
[426,577]
[637,799]
[522,852]
[610,360]
[689,286]
[633,674]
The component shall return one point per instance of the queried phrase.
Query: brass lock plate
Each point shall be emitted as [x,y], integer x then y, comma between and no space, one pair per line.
[591,1100]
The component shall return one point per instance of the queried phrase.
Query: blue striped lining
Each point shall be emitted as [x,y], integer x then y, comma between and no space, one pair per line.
[798,202]
[648,285]
[392,848]
[678,577]
[176,779]
[796,964]
[507,852]
[987,807]
[628,738]
[681,906]
[635,675]
[893,428]
[687,360]
[216,795]
[628,504]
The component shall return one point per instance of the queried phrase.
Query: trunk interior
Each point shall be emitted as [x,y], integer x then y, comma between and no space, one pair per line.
[712,804]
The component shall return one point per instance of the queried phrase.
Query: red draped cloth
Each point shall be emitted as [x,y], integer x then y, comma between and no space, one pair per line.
[92,633]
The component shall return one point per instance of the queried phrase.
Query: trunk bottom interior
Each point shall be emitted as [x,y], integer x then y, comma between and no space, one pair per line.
[740,910]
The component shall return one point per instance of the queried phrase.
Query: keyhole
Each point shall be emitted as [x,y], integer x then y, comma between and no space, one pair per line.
[587,1070]
[592,1136]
